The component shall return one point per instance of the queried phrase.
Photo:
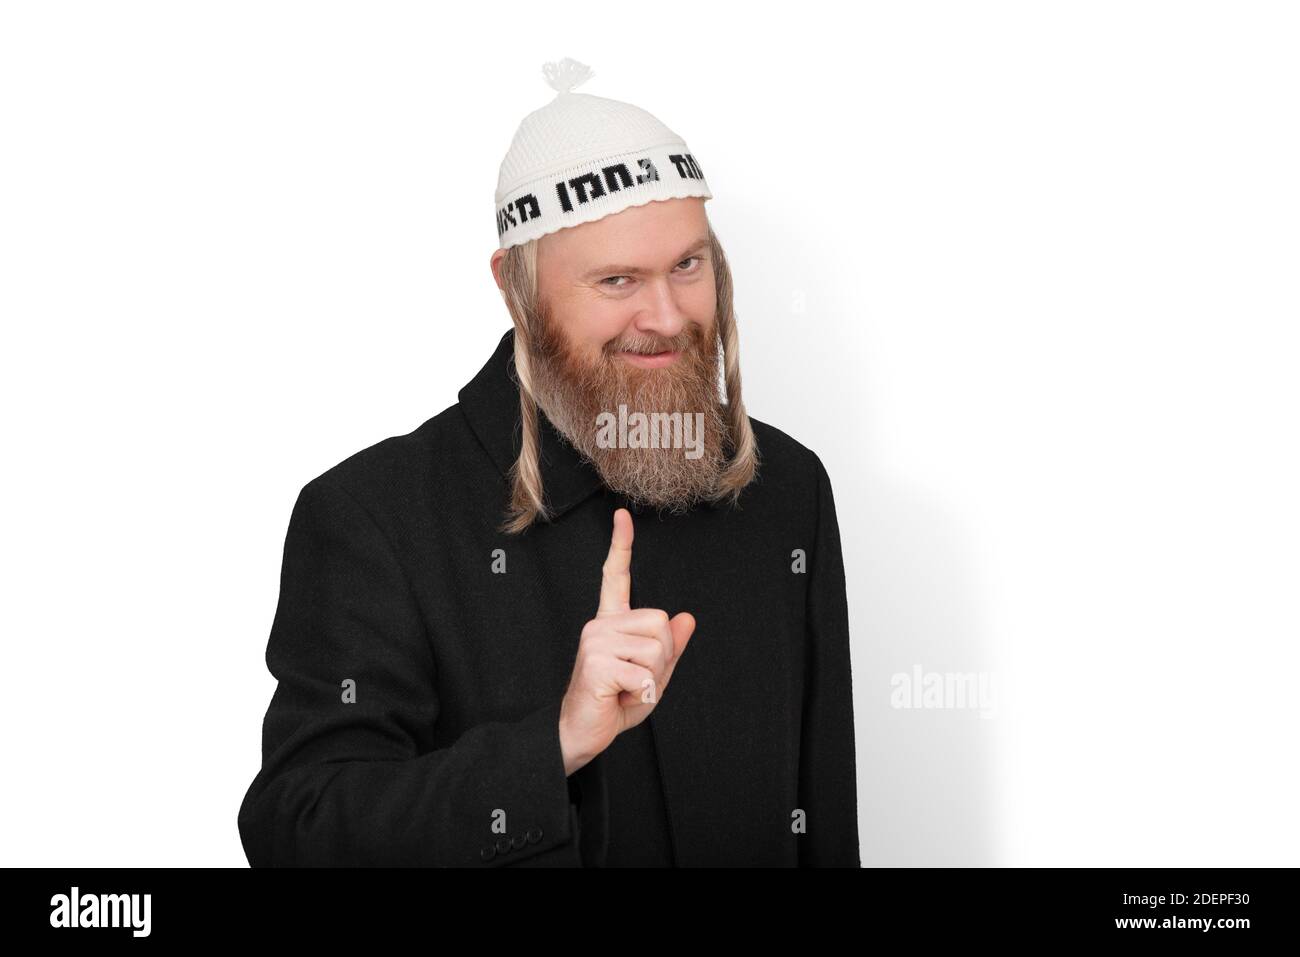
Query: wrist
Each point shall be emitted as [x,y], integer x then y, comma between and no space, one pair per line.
[573,756]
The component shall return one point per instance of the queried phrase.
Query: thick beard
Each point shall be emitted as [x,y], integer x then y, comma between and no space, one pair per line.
[573,392]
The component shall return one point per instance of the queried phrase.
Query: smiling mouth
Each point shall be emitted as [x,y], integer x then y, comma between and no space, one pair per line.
[650,360]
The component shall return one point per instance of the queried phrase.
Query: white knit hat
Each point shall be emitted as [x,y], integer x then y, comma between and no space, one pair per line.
[582,157]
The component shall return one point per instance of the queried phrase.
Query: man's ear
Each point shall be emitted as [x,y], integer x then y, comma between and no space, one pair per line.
[497,256]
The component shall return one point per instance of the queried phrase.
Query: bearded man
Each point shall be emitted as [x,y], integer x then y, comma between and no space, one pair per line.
[504,639]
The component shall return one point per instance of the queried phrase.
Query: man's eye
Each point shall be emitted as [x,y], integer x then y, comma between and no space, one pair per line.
[612,281]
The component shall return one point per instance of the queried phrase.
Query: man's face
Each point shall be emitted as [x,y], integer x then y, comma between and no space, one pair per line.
[628,305]
[632,283]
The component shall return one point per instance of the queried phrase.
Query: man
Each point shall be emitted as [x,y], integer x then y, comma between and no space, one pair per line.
[570,621]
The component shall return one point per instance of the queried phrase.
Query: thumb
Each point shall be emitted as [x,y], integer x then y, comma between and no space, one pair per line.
[682,627]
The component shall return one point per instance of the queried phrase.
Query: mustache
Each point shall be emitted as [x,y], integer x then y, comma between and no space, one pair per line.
[650,345]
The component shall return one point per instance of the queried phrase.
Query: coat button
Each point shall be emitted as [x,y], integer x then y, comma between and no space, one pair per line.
[533,835]
[503,844]
[519,841]
[488,853]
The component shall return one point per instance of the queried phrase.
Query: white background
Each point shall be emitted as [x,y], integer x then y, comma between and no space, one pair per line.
[1024,275]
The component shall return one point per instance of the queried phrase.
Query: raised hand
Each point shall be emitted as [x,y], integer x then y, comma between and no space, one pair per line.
[625,659]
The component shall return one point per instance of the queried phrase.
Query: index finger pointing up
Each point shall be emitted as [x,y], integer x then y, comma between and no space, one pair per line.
[616,575]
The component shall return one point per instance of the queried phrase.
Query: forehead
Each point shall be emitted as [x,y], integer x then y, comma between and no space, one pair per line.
[646,237]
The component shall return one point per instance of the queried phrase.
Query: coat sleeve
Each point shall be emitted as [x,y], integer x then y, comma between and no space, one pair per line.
[827,759]
[359,783]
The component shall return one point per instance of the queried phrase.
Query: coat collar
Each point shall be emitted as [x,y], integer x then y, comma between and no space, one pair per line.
[490,403]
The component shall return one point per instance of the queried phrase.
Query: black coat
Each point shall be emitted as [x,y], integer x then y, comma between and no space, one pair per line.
[388,580]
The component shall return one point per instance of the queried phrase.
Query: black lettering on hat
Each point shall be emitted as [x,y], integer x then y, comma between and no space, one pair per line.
[611,179]
[616,177]
[527,208]
[586,187]
[649,174]
[687,168]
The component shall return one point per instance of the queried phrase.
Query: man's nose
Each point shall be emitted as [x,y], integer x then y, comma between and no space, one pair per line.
[661,314]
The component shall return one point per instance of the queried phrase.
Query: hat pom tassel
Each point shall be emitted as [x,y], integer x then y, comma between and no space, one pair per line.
[566,74]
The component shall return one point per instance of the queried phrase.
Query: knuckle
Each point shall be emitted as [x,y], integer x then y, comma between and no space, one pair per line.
[659,655]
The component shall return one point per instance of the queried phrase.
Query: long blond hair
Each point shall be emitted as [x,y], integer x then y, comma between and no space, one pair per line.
[519,281]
